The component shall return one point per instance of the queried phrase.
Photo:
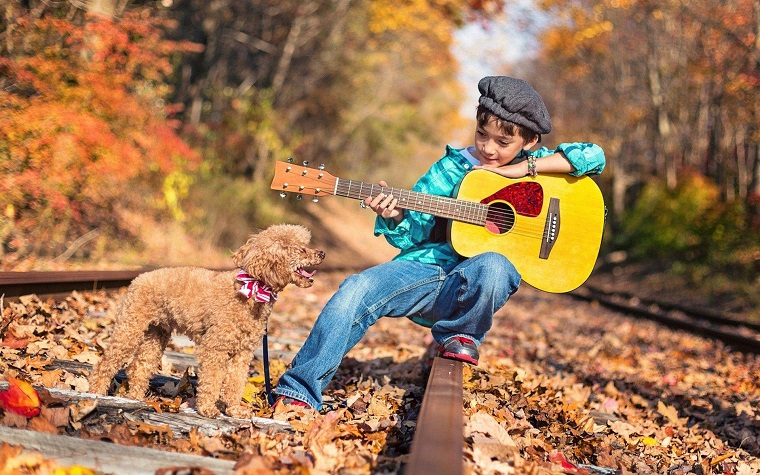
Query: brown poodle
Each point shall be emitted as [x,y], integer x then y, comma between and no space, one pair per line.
[225,313]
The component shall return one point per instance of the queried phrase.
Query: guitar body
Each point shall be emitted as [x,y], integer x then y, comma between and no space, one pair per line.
[549,230]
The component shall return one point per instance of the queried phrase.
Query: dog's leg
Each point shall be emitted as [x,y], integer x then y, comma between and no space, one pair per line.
[213,365]
[120,350]
[146,360]
[234,385]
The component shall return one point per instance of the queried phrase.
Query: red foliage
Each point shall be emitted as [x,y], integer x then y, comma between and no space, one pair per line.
[83,117]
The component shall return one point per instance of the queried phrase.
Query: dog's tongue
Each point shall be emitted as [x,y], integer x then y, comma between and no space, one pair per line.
[306,274]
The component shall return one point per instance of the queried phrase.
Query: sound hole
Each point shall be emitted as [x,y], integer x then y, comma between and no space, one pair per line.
[500,218]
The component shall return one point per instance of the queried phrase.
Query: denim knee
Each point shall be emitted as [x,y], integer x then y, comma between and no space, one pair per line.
[493,271]
[349,300]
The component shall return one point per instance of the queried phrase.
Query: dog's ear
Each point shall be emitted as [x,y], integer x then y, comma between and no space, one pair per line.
[239,257]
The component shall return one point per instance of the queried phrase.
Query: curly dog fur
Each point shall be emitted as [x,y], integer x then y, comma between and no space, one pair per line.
[206,306]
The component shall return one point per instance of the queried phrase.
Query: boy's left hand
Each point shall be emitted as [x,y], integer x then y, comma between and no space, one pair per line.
[384,205]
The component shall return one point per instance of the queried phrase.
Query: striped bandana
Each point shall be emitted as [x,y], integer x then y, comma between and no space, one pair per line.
[257,289]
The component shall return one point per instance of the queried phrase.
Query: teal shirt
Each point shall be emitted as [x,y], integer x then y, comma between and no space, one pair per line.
[412,234]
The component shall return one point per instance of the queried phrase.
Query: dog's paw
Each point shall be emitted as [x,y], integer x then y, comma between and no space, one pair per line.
[210,413]
[207,410]
[239,412]
[98,384]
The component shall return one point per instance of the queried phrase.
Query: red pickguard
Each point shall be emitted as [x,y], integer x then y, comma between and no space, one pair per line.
[526,197]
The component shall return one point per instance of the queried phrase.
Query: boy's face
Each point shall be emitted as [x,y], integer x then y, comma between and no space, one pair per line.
[495,148]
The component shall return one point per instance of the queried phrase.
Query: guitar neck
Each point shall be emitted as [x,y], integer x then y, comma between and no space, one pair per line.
[450,208]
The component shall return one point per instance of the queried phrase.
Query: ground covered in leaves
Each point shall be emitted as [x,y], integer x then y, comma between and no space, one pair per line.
[563,386]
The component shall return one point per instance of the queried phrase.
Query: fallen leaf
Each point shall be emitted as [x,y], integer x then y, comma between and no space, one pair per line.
[75,470]
[671,414]
[20,398]
[250,392]
[40,424]
[484,423]
[16,460]
[10,341]
[50,378]
[649,441]
[567,467]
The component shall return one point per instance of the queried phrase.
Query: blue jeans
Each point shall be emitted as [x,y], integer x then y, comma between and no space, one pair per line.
[455,301]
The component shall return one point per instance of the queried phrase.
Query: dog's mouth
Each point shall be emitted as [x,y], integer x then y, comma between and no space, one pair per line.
[305,274]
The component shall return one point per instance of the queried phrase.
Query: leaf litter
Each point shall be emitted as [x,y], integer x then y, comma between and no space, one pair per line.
[562,387]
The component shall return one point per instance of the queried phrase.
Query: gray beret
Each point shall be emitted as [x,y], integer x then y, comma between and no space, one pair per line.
[516,101]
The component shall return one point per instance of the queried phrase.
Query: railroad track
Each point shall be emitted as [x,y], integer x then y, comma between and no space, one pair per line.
[741,335]
[438,443]
[59,283]
[738,334]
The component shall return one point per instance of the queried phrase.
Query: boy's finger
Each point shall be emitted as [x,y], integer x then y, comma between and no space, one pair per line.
[377,200]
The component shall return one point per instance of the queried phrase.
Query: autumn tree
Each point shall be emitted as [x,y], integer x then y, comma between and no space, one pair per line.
[356,85]
[669,89]
[677,84]
[83,126]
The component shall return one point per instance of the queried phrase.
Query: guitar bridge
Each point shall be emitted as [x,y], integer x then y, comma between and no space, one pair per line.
[551,229]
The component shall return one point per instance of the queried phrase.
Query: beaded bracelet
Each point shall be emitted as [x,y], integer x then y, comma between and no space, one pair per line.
[532,166]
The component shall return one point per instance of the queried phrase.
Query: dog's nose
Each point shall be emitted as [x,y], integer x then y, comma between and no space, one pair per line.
[321,254]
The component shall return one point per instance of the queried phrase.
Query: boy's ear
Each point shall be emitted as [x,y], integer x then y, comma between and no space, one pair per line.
[529,144]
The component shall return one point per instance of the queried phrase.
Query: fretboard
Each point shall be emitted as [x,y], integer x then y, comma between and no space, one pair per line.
[450,208]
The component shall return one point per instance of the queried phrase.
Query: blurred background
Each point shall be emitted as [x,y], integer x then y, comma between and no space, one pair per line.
[143,133]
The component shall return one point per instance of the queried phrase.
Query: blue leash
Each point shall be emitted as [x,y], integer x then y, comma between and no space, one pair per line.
[267,382]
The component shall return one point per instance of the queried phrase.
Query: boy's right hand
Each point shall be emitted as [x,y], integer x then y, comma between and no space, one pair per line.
[385,205]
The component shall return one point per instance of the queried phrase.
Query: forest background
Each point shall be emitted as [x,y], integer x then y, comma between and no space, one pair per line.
[138,133]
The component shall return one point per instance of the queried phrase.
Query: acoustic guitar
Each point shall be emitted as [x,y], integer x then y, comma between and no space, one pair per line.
[549,226]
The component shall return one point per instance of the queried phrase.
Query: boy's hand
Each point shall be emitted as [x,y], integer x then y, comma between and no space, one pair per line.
[518,170]
[384,205]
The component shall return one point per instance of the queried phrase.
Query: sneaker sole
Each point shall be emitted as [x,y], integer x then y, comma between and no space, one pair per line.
[460,357]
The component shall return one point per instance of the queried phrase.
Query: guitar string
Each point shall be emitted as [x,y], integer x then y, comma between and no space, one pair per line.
[500,218]
[475,208]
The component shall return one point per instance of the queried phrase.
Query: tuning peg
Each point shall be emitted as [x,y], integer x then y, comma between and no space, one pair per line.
[299,196]
[321,166]
[306,163]
[283,194]
[315,199]
[290,159]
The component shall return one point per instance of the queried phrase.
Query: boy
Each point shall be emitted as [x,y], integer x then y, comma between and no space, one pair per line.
[428,281]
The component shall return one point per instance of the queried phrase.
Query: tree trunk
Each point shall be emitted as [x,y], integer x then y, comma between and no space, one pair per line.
[107,8]
[663,128]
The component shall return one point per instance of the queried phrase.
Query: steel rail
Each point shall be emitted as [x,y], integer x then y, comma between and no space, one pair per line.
[60,283]
[438,444]
[16,284]
[679,317]
[702,313]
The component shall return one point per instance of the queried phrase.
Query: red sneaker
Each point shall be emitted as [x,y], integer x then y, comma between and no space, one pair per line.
[461,349]
[289,401]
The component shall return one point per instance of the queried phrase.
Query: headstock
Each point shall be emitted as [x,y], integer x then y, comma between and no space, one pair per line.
[291,178]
